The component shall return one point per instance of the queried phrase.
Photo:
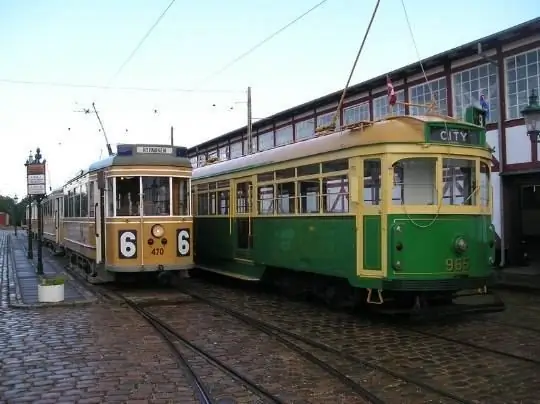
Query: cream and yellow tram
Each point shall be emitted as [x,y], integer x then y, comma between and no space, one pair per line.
[127,214]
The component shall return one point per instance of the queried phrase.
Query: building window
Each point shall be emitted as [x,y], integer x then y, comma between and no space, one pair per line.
[381,109]
[356,113]
[266,141]
[236,150]
[224,153]
[305,129]
[422,94]
[470,84]
[284,135]
[522,76]
[193,162]
[326,119]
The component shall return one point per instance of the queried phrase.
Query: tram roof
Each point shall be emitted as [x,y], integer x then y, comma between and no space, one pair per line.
[144,154]
[398,129]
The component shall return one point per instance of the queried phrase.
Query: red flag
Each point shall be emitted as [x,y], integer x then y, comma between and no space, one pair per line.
[392,98]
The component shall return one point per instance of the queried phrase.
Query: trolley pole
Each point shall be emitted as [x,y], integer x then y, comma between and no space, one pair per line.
[249,123]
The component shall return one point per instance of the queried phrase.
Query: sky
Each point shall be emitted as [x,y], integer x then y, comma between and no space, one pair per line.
[70,43]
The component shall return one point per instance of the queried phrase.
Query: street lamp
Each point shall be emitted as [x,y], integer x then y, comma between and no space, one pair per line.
[16,201]
[531,114]
[30,251]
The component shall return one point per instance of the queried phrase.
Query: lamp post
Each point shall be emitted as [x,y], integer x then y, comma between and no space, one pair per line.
[16,201]
[37,188]
[531,114]
[30,252]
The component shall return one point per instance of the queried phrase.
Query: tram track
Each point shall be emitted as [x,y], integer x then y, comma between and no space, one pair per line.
[471,345]
[285,336]
[113,294]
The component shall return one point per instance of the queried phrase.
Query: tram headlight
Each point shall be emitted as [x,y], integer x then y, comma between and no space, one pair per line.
[460,245]
[157,231]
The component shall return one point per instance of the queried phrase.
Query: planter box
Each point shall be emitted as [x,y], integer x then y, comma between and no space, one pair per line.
[51,294]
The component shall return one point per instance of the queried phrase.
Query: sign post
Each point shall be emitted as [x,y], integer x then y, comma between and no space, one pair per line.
[37,189]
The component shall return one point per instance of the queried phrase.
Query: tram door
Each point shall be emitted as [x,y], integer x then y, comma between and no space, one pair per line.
[99,210]
[58,204]
[241,218]
[369,219]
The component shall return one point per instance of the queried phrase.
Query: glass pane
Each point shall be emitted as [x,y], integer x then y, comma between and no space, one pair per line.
[459,182]
[127,196]
[156,196]
[372,182]
[180,196]
[415,181]
[485,186]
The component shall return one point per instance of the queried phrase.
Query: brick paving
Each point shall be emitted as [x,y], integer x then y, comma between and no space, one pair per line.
[83,354]
[23,278]
[471,374]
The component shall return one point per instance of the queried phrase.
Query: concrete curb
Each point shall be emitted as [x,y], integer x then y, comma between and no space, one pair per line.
[15,299]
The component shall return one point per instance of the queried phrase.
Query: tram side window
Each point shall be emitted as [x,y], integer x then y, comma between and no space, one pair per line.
[336,194]
[181,196]
[224,197]
[459,179]
[485,184]
[202,204]
[286,197]
[84,200]
[127,196]
[309,196]
[415,181]
[372,182]
[242,197]
[156,196]
[266,199]
[66,206]
[77,202]
[110,197]
[91,202]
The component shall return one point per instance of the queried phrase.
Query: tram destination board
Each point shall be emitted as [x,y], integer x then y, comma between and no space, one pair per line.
[464,136]
[35,179]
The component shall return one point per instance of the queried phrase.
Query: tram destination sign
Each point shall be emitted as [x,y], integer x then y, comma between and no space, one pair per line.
[454,135]
[35,179]
[154,150]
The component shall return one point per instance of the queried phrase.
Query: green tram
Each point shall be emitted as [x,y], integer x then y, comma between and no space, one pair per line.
[394,213]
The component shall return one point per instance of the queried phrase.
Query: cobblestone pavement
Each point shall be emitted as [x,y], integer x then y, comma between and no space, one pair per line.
[470,373]
[85,354]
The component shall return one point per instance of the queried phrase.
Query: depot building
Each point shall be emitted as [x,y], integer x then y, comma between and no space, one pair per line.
[506,74]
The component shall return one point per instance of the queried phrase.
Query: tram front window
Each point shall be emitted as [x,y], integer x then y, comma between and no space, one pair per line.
[459,179]
[415,181]
[180,196]
[156,196]
[127,196]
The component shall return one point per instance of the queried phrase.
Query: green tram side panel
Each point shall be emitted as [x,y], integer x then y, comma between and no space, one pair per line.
[372,242]
[214,243]
[426,248]
[324,245]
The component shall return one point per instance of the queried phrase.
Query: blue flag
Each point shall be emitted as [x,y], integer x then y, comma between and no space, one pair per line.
[484,104]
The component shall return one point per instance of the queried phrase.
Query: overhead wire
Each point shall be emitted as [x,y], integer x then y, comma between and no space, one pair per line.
[259,44]
[132,54]
[416,49]
[368,29]
[118,88]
